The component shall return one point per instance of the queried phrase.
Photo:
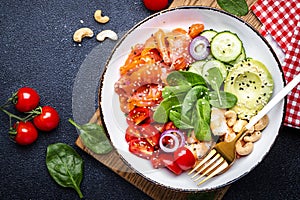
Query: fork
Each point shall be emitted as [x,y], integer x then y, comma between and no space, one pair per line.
[223,154]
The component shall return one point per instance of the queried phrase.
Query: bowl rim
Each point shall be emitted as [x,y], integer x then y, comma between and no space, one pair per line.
[139,24]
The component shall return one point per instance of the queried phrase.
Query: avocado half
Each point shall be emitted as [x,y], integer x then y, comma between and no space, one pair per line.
[253,85]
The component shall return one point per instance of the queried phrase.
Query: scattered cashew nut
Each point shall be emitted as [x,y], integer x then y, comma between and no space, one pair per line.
[229,136]
[106,34]
[82,33]
[231,117]
[237,127]
[99,18]
[262,123]
[243,149]
[253,137]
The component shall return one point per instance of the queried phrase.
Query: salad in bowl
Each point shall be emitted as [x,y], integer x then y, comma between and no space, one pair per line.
[184,86]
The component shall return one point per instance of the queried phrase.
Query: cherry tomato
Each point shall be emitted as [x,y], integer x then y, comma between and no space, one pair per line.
[160,159]
[141,148]
[151,134]
[155,5]
[27,99]
[138,115]
[184,158]
[26,133]
[132,132]
[47,120]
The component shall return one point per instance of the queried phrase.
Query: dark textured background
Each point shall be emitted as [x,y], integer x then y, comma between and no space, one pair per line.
[37,50]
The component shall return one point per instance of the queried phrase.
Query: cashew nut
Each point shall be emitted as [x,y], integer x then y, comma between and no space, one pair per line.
[99,18]
[230,116]
[243,149]
[237,127]
[229,136]
[82,33]
[253,137]
[262,123]
[106,34]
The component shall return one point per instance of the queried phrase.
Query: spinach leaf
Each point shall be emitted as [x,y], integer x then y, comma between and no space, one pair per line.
[192,96]
[178,90]
[93,136]
[180,121]
[222,99]
[215,78]
[65,166]
[236,7]
[185,78]
[201,122]
[161,114]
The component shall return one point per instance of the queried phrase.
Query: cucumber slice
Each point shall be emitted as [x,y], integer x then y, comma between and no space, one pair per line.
[214,63]
[209,34]
[240,58]
[197,67]
[226,46]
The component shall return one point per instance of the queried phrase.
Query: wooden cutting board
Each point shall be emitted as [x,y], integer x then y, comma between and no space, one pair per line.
[113,161]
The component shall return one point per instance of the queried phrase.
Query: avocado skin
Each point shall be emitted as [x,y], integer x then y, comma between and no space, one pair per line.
[253,85]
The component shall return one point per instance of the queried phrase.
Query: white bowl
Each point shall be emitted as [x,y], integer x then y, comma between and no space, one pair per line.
[114,120]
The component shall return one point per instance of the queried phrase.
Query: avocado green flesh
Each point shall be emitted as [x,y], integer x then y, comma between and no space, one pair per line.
[253,85]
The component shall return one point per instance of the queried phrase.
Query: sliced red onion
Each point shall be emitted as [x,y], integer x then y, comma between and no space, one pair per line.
[199,48]
[176,135]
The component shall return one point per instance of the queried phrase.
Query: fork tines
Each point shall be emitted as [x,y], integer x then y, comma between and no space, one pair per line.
[211,165]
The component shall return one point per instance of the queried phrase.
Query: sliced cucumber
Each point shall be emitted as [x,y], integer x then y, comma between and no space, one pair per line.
[214,63]
[241,57]
[197,67]
[226,46]
[209,34]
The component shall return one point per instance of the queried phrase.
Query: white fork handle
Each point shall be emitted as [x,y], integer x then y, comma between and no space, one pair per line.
[280,95]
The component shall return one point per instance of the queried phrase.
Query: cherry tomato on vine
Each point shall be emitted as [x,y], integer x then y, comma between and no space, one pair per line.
[27,99]
[155,5]
[47,120]
[184,158]
[26,133]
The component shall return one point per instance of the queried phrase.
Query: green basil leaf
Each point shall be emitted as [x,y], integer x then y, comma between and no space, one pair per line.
[236,7]
[221,99]
[65,166]
[93,136]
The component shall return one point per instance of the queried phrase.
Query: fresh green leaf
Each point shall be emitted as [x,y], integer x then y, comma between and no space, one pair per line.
[180,121]
[221,99]
[65,166]
[215,78]
[192,96]
[176,78]
[236,7]
[201,120]
[93,136]
[178,90]
[161,114]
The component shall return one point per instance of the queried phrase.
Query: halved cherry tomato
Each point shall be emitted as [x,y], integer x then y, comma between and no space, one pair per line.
[160,159]
[168,126]
[155,5]
[146,96]
[132,132]
[184,158]
[26,100]
[151,134]
[26,133]
[138,115]
[141,148]
[47,120]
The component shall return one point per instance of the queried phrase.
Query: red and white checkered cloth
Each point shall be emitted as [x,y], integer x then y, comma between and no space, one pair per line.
[281,20]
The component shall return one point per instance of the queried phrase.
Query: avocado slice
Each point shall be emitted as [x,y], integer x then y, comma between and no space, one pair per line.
[253,85]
